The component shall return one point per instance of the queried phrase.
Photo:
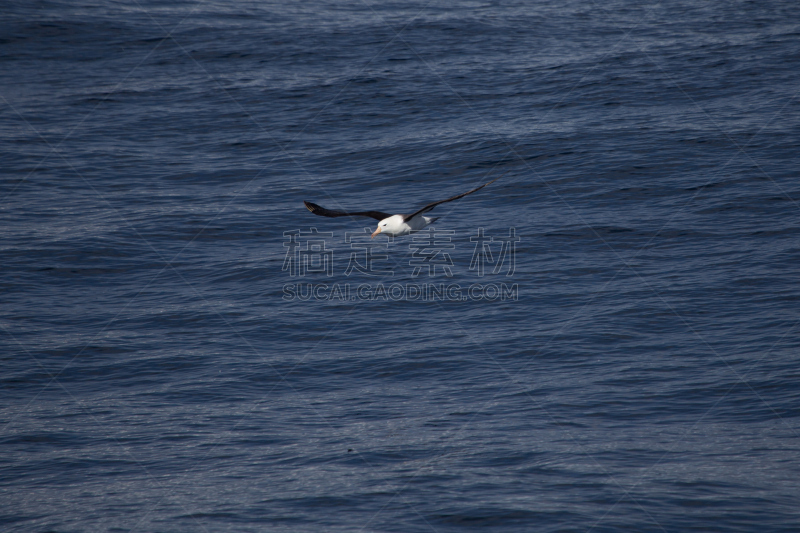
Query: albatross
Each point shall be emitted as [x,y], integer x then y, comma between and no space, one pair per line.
[394,225]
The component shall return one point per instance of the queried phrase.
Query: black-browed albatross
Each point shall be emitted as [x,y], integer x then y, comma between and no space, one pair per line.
[394,225]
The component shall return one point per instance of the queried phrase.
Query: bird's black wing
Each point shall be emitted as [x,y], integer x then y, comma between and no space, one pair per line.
[430,206]
[321,211]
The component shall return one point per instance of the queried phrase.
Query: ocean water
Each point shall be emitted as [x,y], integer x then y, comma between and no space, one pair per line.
[604,339]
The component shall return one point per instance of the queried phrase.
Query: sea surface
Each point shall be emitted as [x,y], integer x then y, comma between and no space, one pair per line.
[605,339]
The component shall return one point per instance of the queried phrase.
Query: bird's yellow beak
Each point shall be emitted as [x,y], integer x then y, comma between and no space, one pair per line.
[376,232]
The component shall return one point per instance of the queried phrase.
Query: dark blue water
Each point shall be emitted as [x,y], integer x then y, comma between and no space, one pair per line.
[171,363]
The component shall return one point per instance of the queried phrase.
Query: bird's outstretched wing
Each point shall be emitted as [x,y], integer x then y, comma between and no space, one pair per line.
[430,206]
[321,211]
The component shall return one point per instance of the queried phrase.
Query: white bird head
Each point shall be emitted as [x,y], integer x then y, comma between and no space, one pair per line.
[391,226]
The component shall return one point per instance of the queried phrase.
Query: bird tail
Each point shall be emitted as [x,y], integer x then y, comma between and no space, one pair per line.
[430,220]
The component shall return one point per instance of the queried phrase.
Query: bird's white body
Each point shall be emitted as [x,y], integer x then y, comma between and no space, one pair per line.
[394,226]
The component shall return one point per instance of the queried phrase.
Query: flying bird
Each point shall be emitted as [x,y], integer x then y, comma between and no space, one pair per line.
[394,225]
